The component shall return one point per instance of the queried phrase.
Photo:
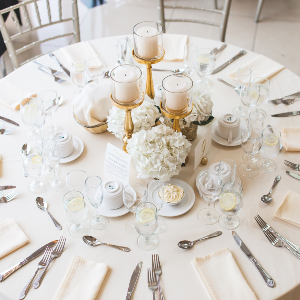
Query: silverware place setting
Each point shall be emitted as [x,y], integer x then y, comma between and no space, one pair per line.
[291,165]
[294,175]
[217,51]
[56,79]
[176,71]
[158,271]
[59,63]
[9,197]
[152,282]
[189,244]
[267,198]
[53,72]
[92,241]
[287,114]
[133,280]
[288,100]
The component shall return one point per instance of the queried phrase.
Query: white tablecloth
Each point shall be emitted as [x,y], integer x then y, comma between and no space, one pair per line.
[179,280]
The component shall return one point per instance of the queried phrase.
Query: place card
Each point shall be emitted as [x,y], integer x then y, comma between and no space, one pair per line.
[202,147]
[117,164]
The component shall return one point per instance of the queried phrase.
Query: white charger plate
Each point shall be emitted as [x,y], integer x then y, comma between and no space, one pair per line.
[113,212]
[78,148]
[184,206]
[221,141]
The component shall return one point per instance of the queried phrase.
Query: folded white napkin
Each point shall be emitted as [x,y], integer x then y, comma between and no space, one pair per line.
[82,281]
[261,66]
[12,94]
[221,277]
[290,137]
[92,105]
[174,46]
[288,211]
[11,237]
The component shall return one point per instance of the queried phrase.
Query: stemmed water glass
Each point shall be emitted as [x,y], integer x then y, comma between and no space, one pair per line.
[96,68]
[37,114]
[124,50]
[249,96]
[204,66]
[79,74]
[264,90]
[76,180]
[94,192]
[270,148]
[190,57]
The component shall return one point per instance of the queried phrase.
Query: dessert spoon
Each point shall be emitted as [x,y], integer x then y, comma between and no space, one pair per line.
[91,241]
[267,198]
[189,244]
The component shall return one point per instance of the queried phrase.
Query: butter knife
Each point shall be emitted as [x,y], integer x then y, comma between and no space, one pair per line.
[9,121]
[294,175]
[287,114]
[240,54]
[133,280]
[266,277]
[64,68]
[7,187]
[28,259]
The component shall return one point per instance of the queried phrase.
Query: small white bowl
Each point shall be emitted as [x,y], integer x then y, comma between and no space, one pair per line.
[112,194]
[65,143]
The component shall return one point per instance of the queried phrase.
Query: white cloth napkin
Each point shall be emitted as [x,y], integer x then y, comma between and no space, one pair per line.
[174,46]
[290,137]
[261,66]
[11,237]
[12,94]
[221,277]
[82,281]
[289,210]
[92,105]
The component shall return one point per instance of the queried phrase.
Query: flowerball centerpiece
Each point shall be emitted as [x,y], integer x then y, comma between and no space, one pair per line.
[158,152]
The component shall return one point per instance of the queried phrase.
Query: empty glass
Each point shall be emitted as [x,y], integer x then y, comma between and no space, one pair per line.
[190,57]
[37,114]
[79,74]
[227,171]
[270,148]
[264,89]
[94,192]
[146,225]
[96,68]
[230,203]
[204,66]
[76,180]
[124,51]
[76,212]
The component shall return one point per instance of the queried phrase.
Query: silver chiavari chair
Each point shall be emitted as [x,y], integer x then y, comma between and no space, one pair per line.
[8,39]
[222,25]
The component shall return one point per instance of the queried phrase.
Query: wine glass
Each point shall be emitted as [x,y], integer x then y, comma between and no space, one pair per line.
[251,140]
[96,68]
[230,203]
[94,192]
[249,96]
[227,171]
[146,225]
[155,195]
[124,50]
[190,57]
[264,90]
[270,148]
[79,74]
[76,212]
[133,195]
[204,66]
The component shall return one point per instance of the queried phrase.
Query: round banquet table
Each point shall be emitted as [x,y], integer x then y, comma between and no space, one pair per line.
[179,280]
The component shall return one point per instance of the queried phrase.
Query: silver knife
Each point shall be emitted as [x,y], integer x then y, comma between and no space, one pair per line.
[240,54]
[268,280]
[133,280]
[221,49]
[294,175]
[287,114]
[223,81]
[7,187]
[64,68]
[35,254]
[9,121]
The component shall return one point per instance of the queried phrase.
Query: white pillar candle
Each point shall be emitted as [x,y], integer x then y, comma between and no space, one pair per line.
[126,85]
[176,93]
[147,42]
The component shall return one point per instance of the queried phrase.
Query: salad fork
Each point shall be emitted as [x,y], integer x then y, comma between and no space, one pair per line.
[53,72]
[157,269]
[152,282]
[10,196]
[296,167]
[56,79]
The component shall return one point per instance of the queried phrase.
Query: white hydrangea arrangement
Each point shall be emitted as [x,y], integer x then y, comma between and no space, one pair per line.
[143,117]
[158,152]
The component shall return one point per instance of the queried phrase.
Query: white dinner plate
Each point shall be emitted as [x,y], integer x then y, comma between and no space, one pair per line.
[184,206]
[113,212]
[221,141]
[78,148]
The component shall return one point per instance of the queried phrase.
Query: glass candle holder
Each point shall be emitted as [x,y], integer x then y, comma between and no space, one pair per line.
[148,40]
[127,84]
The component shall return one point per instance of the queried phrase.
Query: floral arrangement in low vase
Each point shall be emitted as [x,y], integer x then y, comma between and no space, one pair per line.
[159,152]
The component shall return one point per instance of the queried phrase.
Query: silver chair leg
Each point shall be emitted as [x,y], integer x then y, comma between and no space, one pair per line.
[3,68]
[258,10]
[216,4]
[227,5]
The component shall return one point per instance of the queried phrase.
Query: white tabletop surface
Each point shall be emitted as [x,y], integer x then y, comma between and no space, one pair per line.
[179,280]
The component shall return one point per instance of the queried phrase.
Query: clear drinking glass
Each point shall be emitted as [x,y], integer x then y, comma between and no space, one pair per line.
[76,180]
[190,57]
[96,68]
[37,114]
[249,96]
[34,164]
[270,148]
[79,74]
[230,203]
[264,89]
[204,66]
[227,171]
[146,225]
[124,50]
[133,195]
[155,195]
[76,212]
[251,140]
[94,192]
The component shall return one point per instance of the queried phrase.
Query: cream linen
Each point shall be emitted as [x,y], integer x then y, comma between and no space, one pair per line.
[11,237]
[261,66]
[174,46]
[221,277]
[290,137]
[289,210]
[92,105]
[82,281]
[11,94]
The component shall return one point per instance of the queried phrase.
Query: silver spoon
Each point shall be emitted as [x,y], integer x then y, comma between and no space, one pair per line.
[177,71]
[267,198]
[189,244]
[25,152]
[42,204]
[91,241]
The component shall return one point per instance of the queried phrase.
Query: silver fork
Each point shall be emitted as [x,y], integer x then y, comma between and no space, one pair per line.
[53,72]
[56,79]
[157,269]
[296,167]
[56,253]
[152,282]
[289,101]
[41,265]
[9,197]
